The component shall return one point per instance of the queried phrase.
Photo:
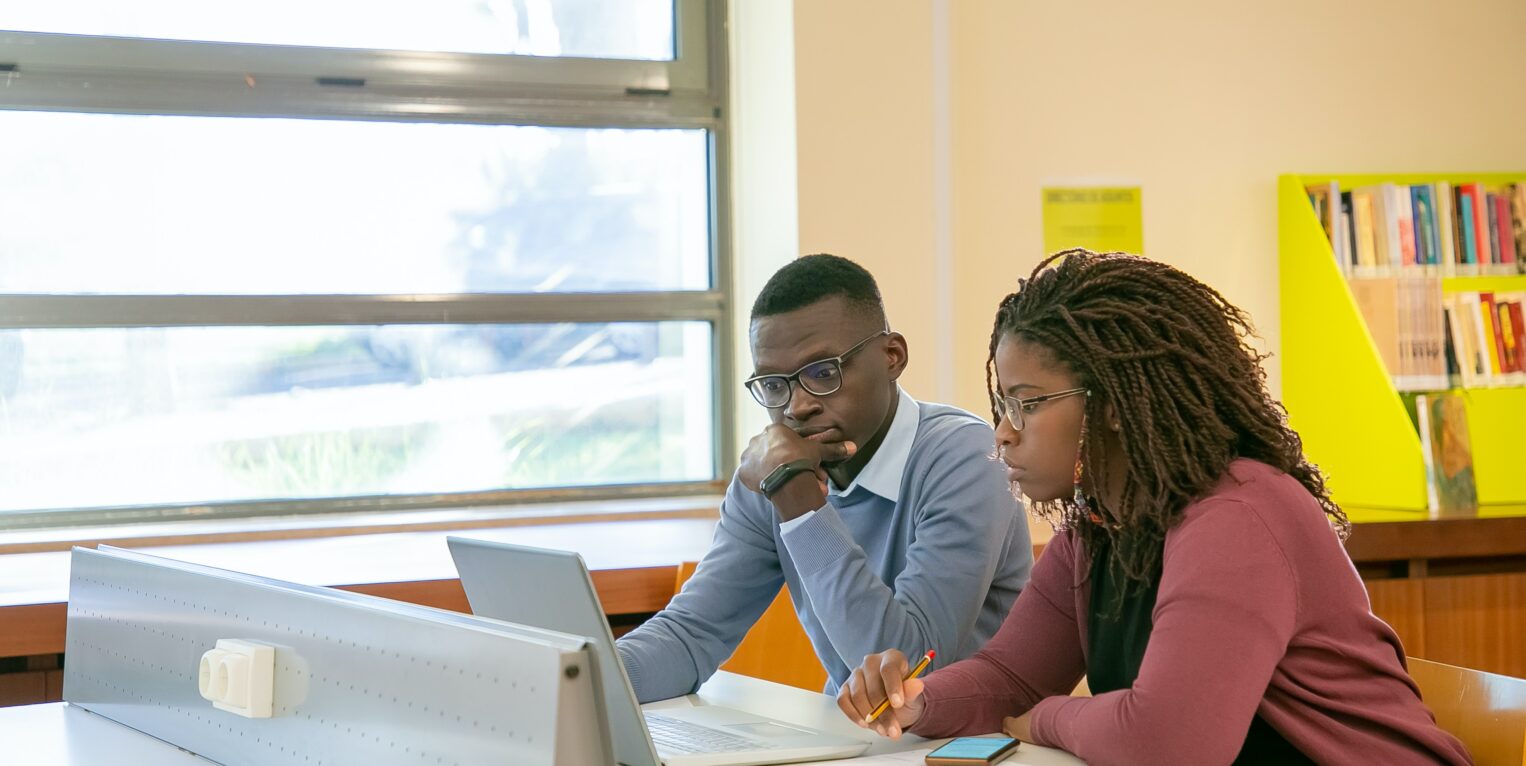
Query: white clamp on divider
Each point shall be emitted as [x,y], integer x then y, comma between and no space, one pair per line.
[239,677]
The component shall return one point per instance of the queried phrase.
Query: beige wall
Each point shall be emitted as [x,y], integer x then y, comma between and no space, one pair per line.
[1203,103]
[863,85]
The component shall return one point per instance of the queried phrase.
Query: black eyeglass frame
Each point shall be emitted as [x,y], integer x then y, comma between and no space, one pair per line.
[1006,405]
[838,361]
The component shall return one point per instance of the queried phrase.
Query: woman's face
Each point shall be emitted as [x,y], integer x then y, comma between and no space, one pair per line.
[1041,458]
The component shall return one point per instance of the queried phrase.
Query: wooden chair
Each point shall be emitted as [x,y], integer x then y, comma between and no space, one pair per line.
[776,649]
[1484,710]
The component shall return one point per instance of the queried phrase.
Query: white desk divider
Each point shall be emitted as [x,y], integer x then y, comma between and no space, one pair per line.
[357,679]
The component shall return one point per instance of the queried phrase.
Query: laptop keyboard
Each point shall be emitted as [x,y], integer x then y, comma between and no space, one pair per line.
[676,736]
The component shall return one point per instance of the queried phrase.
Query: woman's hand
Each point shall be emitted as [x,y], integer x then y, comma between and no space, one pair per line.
[882,675]
[1020,727]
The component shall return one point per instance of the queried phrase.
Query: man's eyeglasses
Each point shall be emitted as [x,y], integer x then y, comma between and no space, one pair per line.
[1012,408]
[820,378]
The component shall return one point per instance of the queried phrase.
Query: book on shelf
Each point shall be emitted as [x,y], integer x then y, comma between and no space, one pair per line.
[1447,450]
[1326,204]
[1466,229]
[1366,263]
[1518,220]
[1498,365]
[1406,320]
[1472,367]
[1503,223]
[1488,338]
[1445,211]
[1452,229]
[1518,334]
[1426,243]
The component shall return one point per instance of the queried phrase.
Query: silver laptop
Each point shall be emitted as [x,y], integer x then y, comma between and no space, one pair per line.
[551,590]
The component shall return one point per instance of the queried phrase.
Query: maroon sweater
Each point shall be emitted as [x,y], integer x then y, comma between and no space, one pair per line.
[1259,612]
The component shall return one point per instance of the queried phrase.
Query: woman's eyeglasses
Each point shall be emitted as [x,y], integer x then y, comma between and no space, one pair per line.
[1012,408]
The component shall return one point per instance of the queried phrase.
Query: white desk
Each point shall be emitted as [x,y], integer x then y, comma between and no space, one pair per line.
[59,734]
[818,711]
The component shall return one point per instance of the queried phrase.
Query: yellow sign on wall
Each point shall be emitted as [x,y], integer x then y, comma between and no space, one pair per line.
[1099,218]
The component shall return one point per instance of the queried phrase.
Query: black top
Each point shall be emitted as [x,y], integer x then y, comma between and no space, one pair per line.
[1118,627]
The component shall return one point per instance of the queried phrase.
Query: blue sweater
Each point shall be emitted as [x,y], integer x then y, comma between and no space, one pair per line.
[928,557]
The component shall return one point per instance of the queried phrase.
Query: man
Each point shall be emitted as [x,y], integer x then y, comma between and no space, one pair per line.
[886,517]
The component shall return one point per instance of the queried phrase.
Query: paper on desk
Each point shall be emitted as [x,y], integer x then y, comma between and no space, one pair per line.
[887,759]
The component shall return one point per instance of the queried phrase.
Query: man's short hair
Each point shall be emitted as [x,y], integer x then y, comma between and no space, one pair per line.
[812,278]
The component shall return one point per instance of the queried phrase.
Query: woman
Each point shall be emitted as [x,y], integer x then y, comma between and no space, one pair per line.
[1197,578]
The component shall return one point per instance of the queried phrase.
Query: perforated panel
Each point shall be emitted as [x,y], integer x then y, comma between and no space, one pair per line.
[358,680]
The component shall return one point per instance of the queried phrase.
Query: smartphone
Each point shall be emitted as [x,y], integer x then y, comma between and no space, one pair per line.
[969,751]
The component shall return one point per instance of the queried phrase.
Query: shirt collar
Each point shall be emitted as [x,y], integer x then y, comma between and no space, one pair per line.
[882,475]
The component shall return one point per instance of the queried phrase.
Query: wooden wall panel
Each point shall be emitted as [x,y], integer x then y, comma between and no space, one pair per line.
[1401,604]
[1477,621]
[23,688]
[440,594]
[32,629]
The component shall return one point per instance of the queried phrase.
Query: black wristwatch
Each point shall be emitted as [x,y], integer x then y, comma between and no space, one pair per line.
[777,477]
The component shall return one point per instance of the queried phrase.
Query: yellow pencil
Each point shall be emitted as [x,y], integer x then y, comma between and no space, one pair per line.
[921,666]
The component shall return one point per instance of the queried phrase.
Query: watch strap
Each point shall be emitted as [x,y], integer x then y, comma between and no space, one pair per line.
[781,475]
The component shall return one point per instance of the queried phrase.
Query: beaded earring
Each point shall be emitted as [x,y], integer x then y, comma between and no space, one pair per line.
[1078,498]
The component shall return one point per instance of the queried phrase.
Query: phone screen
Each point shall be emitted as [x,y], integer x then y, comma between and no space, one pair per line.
[972,747]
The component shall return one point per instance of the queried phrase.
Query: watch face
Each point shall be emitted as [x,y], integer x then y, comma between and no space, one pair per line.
[774,478]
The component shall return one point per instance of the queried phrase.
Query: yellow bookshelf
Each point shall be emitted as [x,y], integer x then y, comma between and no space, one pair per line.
[1339,396]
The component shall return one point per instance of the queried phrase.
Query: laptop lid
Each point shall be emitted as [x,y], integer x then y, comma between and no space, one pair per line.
[551,590]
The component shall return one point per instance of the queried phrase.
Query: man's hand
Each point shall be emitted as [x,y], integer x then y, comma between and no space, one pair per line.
[777,445]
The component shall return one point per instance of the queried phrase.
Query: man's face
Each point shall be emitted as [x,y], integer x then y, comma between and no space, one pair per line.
[783,343]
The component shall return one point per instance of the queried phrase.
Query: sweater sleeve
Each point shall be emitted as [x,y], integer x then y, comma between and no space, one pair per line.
[963,511]
[680,648]
[1036,653]
[1225,613]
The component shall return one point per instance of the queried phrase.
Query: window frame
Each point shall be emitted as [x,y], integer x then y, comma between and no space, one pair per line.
[53,72]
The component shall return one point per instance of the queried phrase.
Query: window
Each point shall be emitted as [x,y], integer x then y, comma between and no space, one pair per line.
[276,260]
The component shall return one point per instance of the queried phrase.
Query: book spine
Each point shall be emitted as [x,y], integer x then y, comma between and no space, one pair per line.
[1518,324]
[1446,227]
[1491,329]
[1467,224]
[1366,232]
[1464,340]
[1425,224]
[1510,357]
[1506,231]
[1404,225]
[1436,316]
[1348,233]
[1518,223]
[1496,254]
[1405,379]
[1478,318]
[1423,425]
[1481,225]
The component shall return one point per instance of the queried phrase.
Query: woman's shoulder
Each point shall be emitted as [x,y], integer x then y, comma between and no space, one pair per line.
[1252,497]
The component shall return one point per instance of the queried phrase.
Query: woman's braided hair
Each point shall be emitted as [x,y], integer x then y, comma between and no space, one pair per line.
[1172,356]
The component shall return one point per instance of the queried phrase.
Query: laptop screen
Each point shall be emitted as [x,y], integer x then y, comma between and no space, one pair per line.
[552,590]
